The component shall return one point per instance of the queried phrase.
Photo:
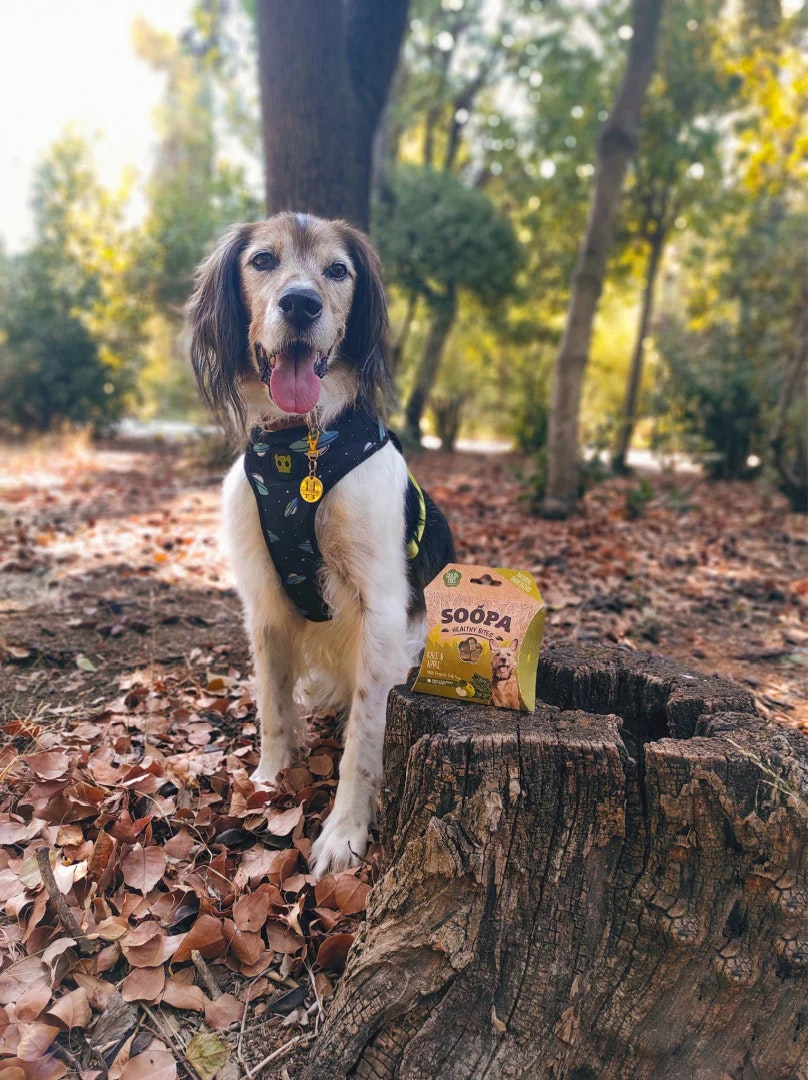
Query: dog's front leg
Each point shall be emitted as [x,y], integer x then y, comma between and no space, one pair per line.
[344,838]
[274,678]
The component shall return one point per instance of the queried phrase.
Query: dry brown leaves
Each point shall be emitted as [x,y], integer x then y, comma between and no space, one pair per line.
[162,848]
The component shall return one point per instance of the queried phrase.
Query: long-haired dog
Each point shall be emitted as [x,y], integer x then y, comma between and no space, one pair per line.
[289,326]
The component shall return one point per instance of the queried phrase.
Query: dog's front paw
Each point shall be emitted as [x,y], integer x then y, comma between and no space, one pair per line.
[341,844]
[265,776]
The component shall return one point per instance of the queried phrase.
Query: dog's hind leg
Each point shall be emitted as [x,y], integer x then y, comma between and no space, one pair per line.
[281,729]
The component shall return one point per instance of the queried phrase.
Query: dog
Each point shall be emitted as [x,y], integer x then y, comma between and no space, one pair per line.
[504,684]
[289,346]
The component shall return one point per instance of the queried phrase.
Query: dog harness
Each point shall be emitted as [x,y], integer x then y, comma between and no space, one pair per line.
[276,463]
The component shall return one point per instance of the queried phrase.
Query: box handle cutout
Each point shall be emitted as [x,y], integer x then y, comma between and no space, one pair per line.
[486,579]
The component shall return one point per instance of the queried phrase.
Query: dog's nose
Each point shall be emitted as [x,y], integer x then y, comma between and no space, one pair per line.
[300,307]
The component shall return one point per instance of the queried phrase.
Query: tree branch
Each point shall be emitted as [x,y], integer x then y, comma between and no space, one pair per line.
[63,912]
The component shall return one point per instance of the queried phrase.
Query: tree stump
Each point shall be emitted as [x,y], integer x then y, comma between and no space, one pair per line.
[615,885]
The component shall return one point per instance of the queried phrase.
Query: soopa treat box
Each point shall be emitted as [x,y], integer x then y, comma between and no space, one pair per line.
[484,631]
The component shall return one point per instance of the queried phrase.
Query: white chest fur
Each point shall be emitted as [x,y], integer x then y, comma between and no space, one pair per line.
[350,662]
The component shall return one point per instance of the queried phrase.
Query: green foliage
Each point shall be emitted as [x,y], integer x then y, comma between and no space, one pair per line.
[725,366]
[193,195]
[638,497]
[532,414]
[70,329]
[434,233]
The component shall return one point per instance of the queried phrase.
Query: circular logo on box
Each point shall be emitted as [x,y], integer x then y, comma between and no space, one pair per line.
[452,577]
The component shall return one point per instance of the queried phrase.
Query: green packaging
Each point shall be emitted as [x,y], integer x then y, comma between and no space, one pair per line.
[484,631]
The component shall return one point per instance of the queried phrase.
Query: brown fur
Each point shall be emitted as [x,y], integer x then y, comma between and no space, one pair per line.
[234,308]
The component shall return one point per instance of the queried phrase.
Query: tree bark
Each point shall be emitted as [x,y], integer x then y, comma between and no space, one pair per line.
[629,416]
[398,346]
[618,141]
[444,311]
[613,886]
[325,68]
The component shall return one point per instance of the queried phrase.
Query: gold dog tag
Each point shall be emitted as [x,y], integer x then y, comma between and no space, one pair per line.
[311,489]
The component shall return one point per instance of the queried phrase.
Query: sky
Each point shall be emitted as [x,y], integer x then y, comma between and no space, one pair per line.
[71,62]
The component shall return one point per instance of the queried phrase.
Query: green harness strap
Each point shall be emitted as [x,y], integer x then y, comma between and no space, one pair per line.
[414,544]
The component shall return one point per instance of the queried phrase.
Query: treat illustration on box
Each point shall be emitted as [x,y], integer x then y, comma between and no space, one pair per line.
[484,631]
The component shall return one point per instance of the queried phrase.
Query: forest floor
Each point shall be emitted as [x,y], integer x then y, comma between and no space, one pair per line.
[129,734]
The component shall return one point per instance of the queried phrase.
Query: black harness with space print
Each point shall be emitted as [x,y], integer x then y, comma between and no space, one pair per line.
[276,462]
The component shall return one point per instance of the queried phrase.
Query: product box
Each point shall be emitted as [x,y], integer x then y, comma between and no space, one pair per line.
[484,631]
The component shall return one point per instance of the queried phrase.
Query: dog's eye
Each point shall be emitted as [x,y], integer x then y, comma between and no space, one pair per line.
[264,260]
[337,271]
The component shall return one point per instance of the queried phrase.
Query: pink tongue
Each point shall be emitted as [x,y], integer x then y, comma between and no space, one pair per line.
[293,385]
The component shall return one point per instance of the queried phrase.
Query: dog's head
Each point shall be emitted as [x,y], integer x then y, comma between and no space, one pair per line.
[503,660]
[295,303]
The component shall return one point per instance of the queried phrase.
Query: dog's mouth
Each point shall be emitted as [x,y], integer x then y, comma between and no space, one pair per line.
[293,375]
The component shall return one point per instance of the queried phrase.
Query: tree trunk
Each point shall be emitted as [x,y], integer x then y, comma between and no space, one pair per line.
[325,68]
[444,310]
[617,142]
[613,886]
[629,417]
[793,474]
[398,346]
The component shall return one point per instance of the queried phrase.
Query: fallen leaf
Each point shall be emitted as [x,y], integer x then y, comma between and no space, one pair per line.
[333,952]
[143,984]
[250,911]
[281,822]
[99,991]
[143,867]
[33,1001]
[181,996]
[205,935]
[34,1040]
[321,765]
[72,1009]
[283,940]
[350,893]
[206,1053]
[49,765]
[150,1065]
[22,977]
[12,1072]
[45,1068]
[223,1012]
[154,950]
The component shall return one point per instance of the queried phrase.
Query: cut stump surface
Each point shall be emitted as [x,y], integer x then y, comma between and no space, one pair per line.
[615,885]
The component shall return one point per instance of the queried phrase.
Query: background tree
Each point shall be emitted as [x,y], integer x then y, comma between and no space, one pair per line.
[194,192]
[325,69]
[71,325]
[617,141]
[438,237]
[677,169]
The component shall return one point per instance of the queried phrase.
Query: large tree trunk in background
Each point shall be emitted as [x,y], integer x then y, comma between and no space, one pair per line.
[444,311]
[325,68]
[629,417]
[618,141]
[610,887]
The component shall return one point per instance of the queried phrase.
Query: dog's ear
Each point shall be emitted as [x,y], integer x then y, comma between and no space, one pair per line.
[515,643]
[218,322]
[365,341]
